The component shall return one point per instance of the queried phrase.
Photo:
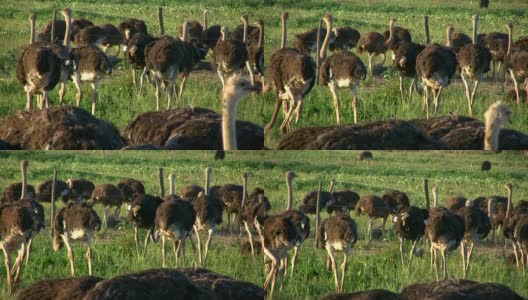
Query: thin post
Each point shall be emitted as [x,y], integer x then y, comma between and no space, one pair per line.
[53,191]
[52,34]
[162,187]
[160,19]
[317,214]
[426,191]
[317,56]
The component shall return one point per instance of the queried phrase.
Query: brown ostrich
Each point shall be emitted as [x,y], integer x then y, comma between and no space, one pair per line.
[396,36]
[456,40]
[343,200]
[174,220]
[338,234]
[198,128]
[474,61]
[309,202]
[129,27]
[103,36]
[135,55]
[230,55]
[211,34]
[61,190]
[410,225]
[142,214]
[230,195]
[107,195]
[395,200]
[341,70]
[191,191]
[374,44]
[255,49]
[306,42]
[455,203]
[81,188]
[59,289]
[516,229]
[485,166]
[436,65]
[13,192]
[346,38]
[497,43]
[517,64]
[75,222]
[374,207]
[208,215]
[130,187]
[293,76]
[59,27]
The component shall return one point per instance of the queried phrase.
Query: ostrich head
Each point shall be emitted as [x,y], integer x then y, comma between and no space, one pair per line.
[499,112]
[290,175]
[496,115]
[32,17]
[238,87]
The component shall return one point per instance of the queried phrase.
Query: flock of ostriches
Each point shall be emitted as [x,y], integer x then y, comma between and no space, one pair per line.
[292,73]
[460,224]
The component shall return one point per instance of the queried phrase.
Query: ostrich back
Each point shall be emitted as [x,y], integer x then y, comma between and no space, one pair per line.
[91,60]
[13,192]
[133,26]
[410,223]
[59,289]
[135,50]
[405,58]
[340,228]
[436,65]
[477,224]
[372,42]
[230,55]
[59,28]
[445,227]
[309,202]
[107,195]
[142,211]
[343,200]
[15,219]
[39,68]
[372,206]
[376,294]
[346,38]
[61,190]
[175,215]
[343,66]
[474,60]
[290,67]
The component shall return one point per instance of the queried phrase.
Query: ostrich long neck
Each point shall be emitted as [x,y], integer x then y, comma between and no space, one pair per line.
[32,26]
[184,32]
[510,41]
[324,47]
[245,28]
[66,41]
[283,32]
[508,206]
[205,20]
[23,169]
[490,208]
[261,34]
[391,32]
[290,193]
[332,184]
[426,27]
[244,191]
[491,134]
[229,109]
[475,25]
[449,37]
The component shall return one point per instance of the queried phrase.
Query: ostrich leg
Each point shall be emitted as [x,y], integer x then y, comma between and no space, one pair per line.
[401,88]
[333,90]
[463,253]
[355,102]
[516,86]
[334,267]
[8,269]
[469,254]
[62,92]
[29,101]
[147,239]
[343,269]
[474,92]
[437,94]
[412,252]
[199,244]
[136,239]
[250,236]
[182,85]
[94,95]
[89,256]
[207,243]
[70,256]
[29,248]
[294,258]
[468,95]
[401,251]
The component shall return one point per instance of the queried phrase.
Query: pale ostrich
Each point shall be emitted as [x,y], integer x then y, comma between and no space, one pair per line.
[496,115]
[517,64]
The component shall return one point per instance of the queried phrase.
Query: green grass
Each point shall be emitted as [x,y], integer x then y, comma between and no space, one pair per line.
[379,100]
[374,266]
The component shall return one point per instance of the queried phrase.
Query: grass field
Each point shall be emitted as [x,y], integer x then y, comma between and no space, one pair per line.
[379,99]
[374,266]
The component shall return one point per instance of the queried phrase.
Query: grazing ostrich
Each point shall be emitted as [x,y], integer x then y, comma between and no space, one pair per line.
[338,234]
[174,220]
[474,61]
[477,226]
[410,225]
[107,195]
[445,231]
[456,40]
[517,63]
[374,44]
[293,76]
[458,289]
[346,38]
[38,70]
[395,200]
[81,188]
[496,115]
[129,188]
[135,55]
[485,166]
[341,70]
[164,58]
[343,200]
[230,55]
[75,222]
[59,289]
[374,207]
[92,65]
[61,189]
[309,201]
[141,214]
[436,65]
[208,215]
[129,27]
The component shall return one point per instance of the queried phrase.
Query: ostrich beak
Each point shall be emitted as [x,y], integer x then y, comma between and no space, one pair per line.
[255,88]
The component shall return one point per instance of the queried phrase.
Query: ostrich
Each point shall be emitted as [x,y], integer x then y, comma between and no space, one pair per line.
[474,61]
[210,34]
[107,195]
[341,70]
[456,40]
[230,195]
[81,188]
[484,3]
[174,220]
[346,199]
[255,49]
[61,189]
[374,44]
[517,64]
[445,231]
[485,166]
[346,38]
[13,192]
[374,207]
[410,225]
[436,65]
[516,229]
[395,200]
[306,42]
[208,215]
[38,70]
[59,289]
[309,201]
[141,214]
[455,203]
[191,191]
[497,43]
[135,55]
[129,188]
[75,222]
[396,36]
[365,156]
[496,115]
[193,54]
[477,226]
[129,27]
[230,55]
[102,36]
[338,234]
[293,76]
